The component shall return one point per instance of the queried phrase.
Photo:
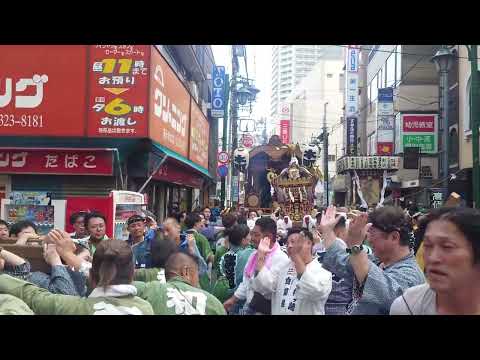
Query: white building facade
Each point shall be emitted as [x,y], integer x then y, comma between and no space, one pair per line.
[290,64]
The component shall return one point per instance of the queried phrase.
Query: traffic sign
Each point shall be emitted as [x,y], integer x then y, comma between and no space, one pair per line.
[223,157]
[222,170]
[247,141]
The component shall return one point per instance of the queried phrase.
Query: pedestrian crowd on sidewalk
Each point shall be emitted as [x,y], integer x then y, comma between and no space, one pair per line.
[335,261]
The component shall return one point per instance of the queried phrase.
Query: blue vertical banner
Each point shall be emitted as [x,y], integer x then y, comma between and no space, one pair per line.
[218,92]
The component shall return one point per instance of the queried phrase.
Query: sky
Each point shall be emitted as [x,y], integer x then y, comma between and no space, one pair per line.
[259,69]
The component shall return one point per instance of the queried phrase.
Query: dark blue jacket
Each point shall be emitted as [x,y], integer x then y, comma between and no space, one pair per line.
[142,252]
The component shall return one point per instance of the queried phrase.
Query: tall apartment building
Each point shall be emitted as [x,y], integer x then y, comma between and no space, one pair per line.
[292,63]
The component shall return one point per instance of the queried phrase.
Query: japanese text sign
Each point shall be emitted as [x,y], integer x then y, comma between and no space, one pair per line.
[199,131]
[43,90]
[352,94]
[351,136]
[118,76]
[56,162]
[419,130]
[425,142]
[416,123]
[285,131]
[169,107]
[218,92]
[368,163]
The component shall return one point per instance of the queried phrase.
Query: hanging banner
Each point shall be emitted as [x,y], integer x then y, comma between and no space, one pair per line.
[118,88]
[384,187]
[218,92]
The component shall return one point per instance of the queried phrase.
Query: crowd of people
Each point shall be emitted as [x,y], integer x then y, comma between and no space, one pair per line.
[336,261]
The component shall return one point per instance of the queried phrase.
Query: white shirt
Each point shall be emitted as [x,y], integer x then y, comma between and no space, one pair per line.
[417,300]
[282,227]
[251,223]
[265,282]
[304,296]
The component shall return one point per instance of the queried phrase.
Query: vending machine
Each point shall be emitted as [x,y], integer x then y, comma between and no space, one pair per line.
[124,205]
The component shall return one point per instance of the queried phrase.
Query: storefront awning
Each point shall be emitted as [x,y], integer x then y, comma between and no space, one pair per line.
[178,157]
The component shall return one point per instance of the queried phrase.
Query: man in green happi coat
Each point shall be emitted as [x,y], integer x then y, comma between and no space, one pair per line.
[181,294]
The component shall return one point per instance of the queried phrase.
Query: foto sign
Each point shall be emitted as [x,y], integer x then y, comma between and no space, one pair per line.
[218,92]
[353,52]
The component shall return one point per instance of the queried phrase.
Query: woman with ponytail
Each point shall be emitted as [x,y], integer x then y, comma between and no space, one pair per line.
[111,275]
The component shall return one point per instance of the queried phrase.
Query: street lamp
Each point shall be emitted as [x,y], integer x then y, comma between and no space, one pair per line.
[253,91]
[443,60]
[243,95]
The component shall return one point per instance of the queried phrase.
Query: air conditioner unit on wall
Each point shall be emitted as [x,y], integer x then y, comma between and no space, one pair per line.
[194,90]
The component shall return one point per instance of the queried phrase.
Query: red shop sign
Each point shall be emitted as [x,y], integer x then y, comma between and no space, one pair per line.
[56,161]
[285,131]
[385,148]
[118,76]
[419,123]
[42,90]
[173,173]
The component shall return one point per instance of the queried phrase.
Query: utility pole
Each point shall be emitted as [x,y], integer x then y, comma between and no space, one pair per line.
[325,157]
[234,118]
[225,136]
[443,60]
[475,121]
[444,122]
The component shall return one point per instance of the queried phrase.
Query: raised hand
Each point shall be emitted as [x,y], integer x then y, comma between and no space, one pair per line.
[191,243]
[329,220]
[317,237]
[357,230]
[264,245]
[64,244]
[51,255]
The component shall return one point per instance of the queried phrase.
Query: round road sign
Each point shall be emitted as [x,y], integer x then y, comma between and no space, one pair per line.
[247,141]
[222,170]
[223,157]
